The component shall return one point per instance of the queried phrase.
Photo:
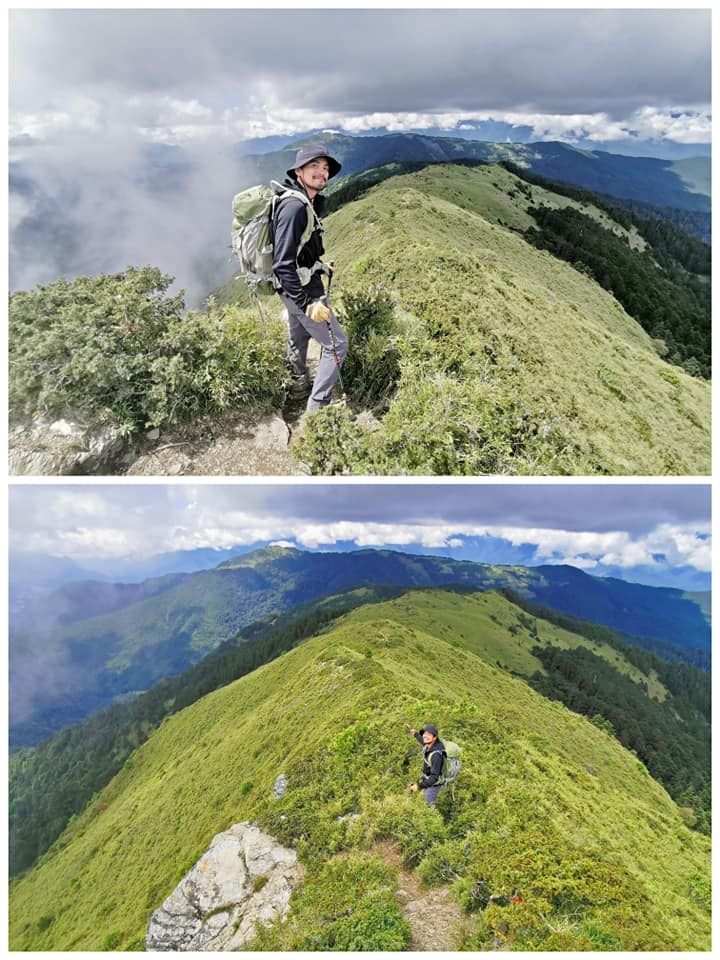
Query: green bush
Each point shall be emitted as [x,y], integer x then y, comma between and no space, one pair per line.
[112,941]
[372,367]
[120,347]
[348,904]
[439,424]
[409,823]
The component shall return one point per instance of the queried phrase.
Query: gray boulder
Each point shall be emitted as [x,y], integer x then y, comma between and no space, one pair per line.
[63,447]
[244,879]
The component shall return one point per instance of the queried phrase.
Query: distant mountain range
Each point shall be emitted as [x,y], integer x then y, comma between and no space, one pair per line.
[493,131]
[684,183]
[111,641]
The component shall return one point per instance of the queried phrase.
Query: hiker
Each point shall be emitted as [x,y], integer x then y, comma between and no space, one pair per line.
[300,278]
[433,758]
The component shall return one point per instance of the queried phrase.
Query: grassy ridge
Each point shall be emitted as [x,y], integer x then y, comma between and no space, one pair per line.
[494,630]
[548,806]
[498,312]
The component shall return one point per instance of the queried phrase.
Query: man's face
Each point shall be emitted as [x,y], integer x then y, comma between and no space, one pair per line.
[428,738]
[314,175]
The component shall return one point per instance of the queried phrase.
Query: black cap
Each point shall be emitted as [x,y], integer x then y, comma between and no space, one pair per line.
[313,151]
[430,728]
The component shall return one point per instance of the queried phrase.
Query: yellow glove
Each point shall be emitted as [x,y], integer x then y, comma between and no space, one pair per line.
[317,311]
[413,788]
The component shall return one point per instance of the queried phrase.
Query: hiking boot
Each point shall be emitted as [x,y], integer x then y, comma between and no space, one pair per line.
[300,387]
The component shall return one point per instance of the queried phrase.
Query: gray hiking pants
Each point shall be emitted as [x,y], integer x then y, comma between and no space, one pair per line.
[300,329]
[430,795]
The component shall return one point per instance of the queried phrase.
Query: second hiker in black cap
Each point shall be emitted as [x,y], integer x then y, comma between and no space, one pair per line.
[298,268]
[433,759]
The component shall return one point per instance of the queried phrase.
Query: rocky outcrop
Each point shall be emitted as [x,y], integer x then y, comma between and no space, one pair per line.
[237,443]
[280,788]
[63,447]
[244,442]
[243,880]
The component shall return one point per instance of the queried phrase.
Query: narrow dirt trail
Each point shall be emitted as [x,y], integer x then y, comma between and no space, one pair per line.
[436,921]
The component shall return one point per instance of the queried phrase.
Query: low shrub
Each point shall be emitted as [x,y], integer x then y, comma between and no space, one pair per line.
[372,367]
[408,823]
[120,347]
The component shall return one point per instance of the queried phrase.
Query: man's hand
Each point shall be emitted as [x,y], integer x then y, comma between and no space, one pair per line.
[317,311]
[413,731]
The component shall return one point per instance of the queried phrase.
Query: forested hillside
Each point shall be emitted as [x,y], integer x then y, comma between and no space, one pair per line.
[64,671]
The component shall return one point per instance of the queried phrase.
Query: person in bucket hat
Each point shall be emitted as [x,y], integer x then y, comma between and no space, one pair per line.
[298,268]
[433,758]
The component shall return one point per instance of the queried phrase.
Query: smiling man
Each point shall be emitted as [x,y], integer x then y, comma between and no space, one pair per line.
[298,267]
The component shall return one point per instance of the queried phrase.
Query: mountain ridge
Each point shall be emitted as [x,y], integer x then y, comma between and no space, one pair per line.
[546,370]
[82,666]
[548,808]
[648,179]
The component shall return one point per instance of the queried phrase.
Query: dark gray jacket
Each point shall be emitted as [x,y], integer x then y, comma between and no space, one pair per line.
[288,227]
[433,758]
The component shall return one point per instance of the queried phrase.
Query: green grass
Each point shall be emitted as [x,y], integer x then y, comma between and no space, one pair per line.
[493,629]
[511,361]
[548,806]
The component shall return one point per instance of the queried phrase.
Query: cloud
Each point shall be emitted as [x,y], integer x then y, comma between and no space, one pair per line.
[91,91]
[293,70]
[681,545]
[97,201]
[590,526]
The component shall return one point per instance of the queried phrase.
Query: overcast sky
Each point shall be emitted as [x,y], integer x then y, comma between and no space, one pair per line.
[174,75]
[649,532]
[91,89]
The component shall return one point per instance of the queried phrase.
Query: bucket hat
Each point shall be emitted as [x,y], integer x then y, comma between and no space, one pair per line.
[313,151]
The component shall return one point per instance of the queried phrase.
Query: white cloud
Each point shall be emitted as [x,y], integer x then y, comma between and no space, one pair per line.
[680,545]
[176,121]
[114,536]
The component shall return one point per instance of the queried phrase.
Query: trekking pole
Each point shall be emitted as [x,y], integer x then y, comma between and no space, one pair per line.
[331,265]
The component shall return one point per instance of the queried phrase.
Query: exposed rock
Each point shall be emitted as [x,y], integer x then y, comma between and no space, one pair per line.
[280,788]
[243,880]
[63,447]
[245,443]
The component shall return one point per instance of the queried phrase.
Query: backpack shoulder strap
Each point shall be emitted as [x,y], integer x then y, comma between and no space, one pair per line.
[284,192]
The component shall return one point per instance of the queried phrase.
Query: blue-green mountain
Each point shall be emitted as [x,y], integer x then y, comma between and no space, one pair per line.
[682,183]
[114,641]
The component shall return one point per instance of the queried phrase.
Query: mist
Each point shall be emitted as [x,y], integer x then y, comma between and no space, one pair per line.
[98,205]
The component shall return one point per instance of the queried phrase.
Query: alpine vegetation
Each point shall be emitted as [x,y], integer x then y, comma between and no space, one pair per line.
[497,324]
[552,835]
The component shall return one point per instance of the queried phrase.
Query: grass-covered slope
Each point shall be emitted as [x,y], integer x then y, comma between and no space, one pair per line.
[510,360]
[494,629]
[549,810]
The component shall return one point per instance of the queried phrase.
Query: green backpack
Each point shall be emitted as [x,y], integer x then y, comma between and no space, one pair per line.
[253,211]
[452,762]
